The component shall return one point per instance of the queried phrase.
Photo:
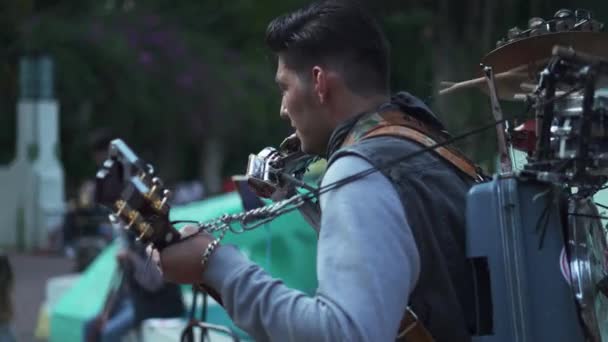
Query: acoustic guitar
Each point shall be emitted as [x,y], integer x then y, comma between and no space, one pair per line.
[136,196]
[138,200]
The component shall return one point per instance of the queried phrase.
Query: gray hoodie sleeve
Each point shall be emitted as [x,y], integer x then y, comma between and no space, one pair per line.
[367,263]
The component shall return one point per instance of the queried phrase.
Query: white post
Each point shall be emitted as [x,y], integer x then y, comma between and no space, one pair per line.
[34,180]
[48,174]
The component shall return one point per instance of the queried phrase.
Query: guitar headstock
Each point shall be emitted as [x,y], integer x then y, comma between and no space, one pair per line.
[136,196]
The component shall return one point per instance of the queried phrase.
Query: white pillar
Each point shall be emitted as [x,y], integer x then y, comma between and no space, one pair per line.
[48,175]
[35,179]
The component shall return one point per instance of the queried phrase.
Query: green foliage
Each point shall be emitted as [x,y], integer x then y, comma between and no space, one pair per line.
[164,75]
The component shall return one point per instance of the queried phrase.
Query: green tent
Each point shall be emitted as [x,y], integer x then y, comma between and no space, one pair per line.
[285,247]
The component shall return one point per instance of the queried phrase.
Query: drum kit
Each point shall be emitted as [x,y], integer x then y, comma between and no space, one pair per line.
[559,69]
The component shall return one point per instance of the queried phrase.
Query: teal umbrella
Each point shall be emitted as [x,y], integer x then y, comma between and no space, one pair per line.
[285,247]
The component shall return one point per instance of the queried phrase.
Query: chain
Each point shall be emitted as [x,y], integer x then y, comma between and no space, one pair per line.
[247,220]
[251,219]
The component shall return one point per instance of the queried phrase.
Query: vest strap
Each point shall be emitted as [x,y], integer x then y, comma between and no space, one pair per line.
[396,124]
[454,158]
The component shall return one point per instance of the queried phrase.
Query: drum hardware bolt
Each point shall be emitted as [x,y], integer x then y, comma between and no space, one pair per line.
[564,13]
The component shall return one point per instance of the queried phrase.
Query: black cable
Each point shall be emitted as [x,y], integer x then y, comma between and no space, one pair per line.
[543,222]
[313,194]
[184,221]
[359,175]
[205,331]
[188,333]
[589,216]
[601,205]
[317,192]
[406,157]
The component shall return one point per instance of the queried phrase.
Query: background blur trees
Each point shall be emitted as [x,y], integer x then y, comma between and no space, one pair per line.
[189,83]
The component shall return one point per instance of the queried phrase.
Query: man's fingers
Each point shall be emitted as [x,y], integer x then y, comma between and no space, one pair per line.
[153,255]
[150,250]
[156,257]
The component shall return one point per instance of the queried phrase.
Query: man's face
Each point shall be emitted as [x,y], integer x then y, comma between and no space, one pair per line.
[303,109]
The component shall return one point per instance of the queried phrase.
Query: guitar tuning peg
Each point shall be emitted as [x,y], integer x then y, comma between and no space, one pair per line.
[134,218]
[166,196]
[157,184]
[157,181]
[121,205]
[143,175]
[108,163]
[145,227]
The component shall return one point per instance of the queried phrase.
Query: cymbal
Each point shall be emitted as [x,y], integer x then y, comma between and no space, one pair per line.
[531,55]
[537,49]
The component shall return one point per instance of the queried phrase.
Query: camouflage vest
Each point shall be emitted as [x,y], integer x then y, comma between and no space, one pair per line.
[432,186]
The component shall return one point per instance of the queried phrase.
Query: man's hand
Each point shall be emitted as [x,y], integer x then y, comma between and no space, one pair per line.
[181,262]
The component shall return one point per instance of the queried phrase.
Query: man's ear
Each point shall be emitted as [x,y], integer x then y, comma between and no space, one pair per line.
[319,82]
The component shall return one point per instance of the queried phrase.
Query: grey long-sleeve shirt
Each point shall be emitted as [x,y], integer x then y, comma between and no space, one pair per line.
[367,263]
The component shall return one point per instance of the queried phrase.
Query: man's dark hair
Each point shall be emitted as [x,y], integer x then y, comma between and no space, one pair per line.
[338,34]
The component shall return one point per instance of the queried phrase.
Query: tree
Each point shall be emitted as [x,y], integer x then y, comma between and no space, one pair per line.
[189,84]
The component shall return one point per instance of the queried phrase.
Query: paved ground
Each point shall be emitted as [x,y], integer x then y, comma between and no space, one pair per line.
[31,274]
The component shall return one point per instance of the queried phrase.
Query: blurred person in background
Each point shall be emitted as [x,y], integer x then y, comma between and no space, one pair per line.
[6,305]
[87,229]
[186,192]
[140,293]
